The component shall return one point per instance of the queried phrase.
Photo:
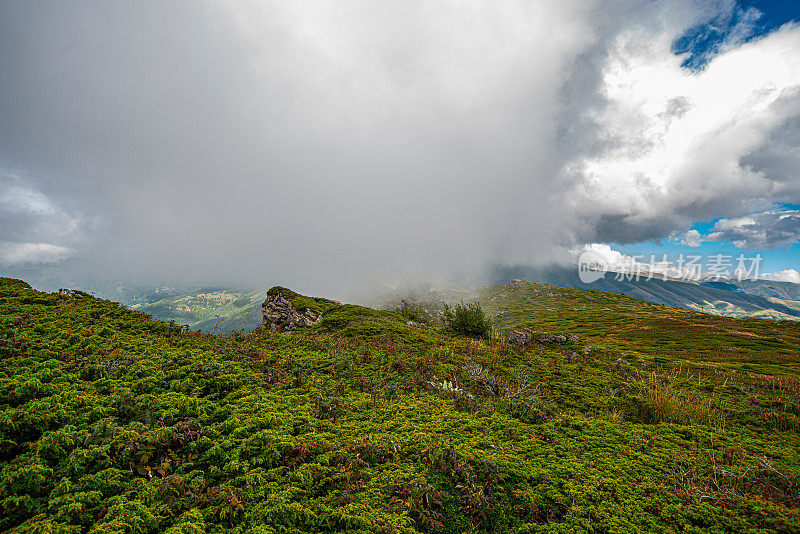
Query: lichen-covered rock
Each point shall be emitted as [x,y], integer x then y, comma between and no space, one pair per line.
[280,315]
[526,336]
[523,336]
[551,339]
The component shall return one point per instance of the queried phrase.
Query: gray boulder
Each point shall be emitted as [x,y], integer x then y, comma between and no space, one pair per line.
[280,315]
[526,336]
[523,336]
[551,339]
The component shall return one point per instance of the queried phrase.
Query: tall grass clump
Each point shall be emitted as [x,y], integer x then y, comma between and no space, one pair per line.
[467,319]
[659,401]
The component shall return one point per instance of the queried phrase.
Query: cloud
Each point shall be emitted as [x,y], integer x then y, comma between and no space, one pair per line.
[788,275]
[685,267]
[318,144]
[692,238]
[313,145]
[14,254]
[35,230]
[766,231]
[730,26]
[669,162]
[647,266]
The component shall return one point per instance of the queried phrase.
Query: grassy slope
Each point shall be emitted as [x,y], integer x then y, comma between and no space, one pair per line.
[209,310]
[656,333]
[113,422]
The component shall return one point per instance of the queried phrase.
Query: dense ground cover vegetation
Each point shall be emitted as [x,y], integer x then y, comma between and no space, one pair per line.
[113,422]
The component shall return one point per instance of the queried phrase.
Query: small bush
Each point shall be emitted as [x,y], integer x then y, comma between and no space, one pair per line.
[467,319]
[412,312]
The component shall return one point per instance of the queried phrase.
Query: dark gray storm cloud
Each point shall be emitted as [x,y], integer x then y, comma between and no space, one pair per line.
[320,144]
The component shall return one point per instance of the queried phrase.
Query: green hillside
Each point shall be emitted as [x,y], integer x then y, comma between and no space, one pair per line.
[654,333]
[658,420]
[212,310]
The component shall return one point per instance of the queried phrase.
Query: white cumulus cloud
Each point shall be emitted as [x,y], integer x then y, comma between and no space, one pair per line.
[676,138]
[787,275]
[765,230]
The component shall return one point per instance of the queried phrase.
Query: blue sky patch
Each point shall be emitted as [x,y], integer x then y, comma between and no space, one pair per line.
[746,21]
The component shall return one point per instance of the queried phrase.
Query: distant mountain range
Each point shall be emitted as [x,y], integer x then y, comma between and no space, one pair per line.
[748,298]
[223,309]
[764,288]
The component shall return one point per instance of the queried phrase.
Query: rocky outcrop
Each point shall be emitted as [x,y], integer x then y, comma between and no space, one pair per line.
[280,315]
[526,336]
[520,337]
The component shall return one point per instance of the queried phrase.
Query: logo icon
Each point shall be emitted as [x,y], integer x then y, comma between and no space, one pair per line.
[591,267]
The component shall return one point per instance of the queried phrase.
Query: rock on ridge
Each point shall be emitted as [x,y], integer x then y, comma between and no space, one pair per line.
[281,315]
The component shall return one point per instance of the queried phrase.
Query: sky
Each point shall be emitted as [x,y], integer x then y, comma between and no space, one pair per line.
[321,145]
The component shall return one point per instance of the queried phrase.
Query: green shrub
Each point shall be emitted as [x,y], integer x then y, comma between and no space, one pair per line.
[467,319]
[412,312]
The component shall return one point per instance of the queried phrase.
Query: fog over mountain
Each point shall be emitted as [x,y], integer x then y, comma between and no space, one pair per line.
[322,144]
